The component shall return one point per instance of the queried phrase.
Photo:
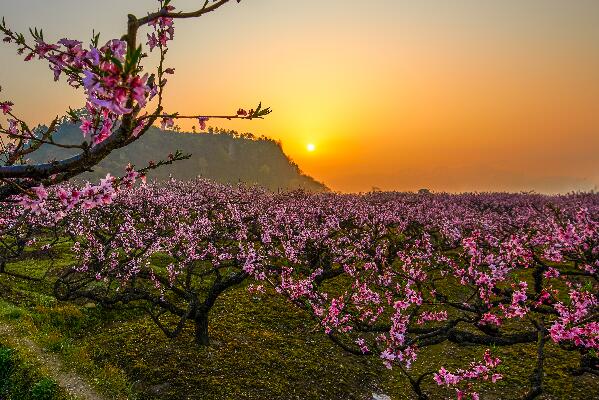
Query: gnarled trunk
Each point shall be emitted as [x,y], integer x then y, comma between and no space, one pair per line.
[201,329]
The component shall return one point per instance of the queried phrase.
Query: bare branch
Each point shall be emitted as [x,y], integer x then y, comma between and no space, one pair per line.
[194,14]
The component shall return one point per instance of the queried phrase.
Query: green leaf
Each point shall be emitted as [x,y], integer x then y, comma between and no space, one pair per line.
[259,112]
[117,62]
[132,59]
[95,38]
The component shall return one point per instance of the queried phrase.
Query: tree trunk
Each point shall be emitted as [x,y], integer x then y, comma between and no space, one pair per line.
[201,329]
[536,380]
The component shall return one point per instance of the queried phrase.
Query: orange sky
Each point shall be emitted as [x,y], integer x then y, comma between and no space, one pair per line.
[450,95]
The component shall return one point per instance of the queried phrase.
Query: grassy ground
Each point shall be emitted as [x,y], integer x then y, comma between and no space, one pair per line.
[262,347]
[21,377]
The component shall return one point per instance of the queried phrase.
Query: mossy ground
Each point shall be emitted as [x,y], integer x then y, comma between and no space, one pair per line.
[262,348]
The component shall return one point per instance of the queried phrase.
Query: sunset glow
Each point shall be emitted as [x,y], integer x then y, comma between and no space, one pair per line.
[447,95]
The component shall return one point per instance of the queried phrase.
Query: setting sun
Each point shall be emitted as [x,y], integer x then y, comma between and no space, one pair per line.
[310,147]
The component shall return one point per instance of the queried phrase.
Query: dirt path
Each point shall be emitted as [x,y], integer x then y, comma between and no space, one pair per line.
[74,384]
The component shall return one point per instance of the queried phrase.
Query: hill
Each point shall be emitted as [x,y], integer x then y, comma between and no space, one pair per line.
[225,157]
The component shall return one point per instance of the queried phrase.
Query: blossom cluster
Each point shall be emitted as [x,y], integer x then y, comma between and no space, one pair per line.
[57,202]
[477,371]
[163,29]
[110,74]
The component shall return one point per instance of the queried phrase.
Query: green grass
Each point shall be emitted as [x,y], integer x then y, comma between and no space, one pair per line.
[262,347]
[21,379]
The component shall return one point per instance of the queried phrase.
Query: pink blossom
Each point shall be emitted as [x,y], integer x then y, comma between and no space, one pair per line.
[202,122]
[167,123]
[6,106]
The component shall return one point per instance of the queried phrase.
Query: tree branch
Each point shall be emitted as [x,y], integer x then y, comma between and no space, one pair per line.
[194,14]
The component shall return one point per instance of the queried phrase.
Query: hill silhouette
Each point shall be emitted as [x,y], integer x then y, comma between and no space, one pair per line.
[223,156]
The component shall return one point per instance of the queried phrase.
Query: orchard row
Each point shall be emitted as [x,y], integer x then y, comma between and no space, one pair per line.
[383,274]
